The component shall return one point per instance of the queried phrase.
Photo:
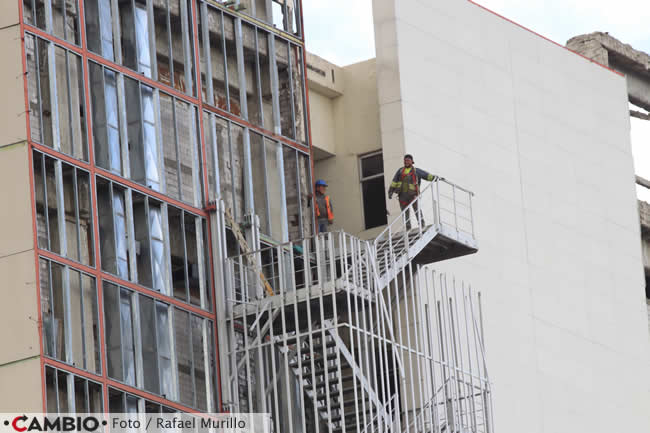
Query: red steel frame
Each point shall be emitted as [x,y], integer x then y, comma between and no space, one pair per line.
[94,171]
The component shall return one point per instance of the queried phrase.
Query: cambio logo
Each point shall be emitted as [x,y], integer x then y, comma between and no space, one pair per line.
[61,423]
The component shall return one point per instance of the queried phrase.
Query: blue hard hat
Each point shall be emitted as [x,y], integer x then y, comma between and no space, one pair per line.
[320,182]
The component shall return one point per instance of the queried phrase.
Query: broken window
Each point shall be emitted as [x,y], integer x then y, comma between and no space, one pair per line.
[107,138]
[156,347]
[189,273]
[124,402]
[298,86]
[213,59]
[181,150]
[285,94]
[69,314]
[251,74]
[63,209]
[154,38]
[120,339]
[141,335]
[144,157]
[195,360]
[99,27]
[68,393]
[292,194]
[56,97]
[111,209]
[57,17]
[282,14]
[373,191]
[153,244]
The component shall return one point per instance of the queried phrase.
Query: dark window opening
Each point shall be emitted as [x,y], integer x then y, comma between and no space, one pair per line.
[372,190]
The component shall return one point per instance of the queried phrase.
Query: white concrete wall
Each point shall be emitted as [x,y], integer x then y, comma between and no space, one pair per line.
[542,136]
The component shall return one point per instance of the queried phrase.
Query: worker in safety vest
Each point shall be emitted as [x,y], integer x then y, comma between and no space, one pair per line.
[324,212]
[406,183]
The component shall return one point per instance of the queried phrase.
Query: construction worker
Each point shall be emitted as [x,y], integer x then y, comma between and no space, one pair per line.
[324,212]
[406,183]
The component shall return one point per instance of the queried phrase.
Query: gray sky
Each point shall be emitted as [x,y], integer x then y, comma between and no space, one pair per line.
[342,32]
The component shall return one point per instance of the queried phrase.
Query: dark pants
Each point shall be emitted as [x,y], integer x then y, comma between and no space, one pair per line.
[404,202]
[323,226]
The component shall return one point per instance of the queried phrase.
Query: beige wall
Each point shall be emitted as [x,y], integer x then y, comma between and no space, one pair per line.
[322,124]
[12,110]
[19,359]
[354,129]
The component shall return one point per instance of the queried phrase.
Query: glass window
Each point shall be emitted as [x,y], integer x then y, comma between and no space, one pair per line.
[56,100]
[69,311]
[57,17]
[105,116]
[83,396]
[120,338]
[63,209]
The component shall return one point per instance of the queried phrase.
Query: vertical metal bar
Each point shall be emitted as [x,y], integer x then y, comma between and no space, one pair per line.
[293,108]
[123,125]
[207,52]
[187,51]
[49,21]
[275,87]
[248,174]
[453,188]
[201,263]
[54,96]
[186,272]
[153,56]
[283,194]
[130,233]
[38,86]
[117,32]
[60,207]
[177,151]
[225,61]
[258,75]
[69,99]
[241,73]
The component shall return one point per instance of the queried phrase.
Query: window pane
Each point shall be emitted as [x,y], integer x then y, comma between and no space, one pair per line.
[113,331]
[194,275]
[141,226]
[157,249]
[183,340]
[148,344]
[177,250]
[372,165]
[199,362]
[128,347]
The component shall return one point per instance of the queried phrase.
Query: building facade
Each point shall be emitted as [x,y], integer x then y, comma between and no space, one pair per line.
[541,135]
[124,123]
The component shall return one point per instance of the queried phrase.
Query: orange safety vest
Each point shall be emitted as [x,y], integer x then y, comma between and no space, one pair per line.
[414,180]
[330,215]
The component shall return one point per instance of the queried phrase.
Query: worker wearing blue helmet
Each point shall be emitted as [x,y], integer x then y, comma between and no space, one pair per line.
[323,204]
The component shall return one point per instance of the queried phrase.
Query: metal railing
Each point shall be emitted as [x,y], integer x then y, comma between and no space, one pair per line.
[441,206]
[318,261]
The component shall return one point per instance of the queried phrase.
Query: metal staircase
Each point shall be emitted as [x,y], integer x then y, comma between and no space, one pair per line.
[342,341]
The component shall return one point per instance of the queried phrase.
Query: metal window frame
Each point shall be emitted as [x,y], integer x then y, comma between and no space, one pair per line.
[100,276]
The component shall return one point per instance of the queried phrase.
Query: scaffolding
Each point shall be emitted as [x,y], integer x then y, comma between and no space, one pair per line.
[356,335]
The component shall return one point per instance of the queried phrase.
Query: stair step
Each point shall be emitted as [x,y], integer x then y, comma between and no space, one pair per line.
[318,347]
[307,363]
[323,395]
